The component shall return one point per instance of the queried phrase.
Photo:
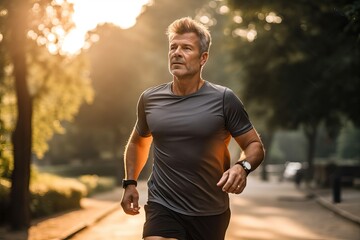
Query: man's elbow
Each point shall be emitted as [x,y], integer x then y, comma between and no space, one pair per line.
[259,149]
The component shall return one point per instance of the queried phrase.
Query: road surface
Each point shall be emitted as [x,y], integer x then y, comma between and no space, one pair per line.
[270,210]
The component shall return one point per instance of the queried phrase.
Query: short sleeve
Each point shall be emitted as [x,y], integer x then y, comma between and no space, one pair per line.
[236,118]
[141,124]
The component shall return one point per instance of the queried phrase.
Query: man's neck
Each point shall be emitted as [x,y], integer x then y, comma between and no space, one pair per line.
[183,87]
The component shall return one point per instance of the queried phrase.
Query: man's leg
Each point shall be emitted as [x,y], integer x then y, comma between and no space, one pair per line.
[162,224]
[158,238]
[207,227]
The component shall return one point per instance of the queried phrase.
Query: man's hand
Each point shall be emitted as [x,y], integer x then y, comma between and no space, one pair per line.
[233,180]
[130,200]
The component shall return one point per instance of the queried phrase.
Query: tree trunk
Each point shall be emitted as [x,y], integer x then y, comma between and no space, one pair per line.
[20,196]
[311,134]
[267,141]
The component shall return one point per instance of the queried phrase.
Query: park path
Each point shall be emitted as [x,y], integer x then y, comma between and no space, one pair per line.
[266,210]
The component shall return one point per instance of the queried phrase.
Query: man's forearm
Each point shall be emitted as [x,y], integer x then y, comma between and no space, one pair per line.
[136,155]
[254,154]
[253,149]
[135,160]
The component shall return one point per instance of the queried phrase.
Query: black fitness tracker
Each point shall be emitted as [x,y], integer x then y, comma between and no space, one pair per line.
[126,183]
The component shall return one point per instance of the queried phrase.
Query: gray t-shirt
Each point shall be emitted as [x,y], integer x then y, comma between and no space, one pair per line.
[190,138]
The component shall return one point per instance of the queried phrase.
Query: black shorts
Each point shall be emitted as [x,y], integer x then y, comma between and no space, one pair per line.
[163,222]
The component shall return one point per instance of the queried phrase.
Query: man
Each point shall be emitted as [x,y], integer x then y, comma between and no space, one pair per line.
[190,122]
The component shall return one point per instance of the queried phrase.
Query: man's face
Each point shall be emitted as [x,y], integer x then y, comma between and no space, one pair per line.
[184,55]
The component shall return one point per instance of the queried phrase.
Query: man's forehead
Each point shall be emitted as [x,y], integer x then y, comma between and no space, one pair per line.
[185,37]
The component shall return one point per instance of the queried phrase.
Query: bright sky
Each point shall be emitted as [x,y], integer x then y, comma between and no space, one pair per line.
[89,13]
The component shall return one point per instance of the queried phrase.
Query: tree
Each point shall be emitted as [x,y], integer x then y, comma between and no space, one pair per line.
[22,134]
[48,88]
[294,55]
[59,86]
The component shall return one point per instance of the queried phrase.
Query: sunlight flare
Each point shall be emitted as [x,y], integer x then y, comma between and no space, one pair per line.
[87,15]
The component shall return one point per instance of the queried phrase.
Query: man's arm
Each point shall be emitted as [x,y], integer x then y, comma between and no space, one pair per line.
[234,179]
[135,157]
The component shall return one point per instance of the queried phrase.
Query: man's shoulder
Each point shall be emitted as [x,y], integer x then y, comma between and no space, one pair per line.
[216,87]
[161,88]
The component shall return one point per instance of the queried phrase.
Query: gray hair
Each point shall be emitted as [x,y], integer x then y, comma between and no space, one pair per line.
[188,25]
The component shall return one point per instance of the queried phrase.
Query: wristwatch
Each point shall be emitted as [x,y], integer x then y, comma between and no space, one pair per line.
[246,165]
[126,183]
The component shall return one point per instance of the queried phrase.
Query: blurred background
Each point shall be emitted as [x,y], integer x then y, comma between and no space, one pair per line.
[71,73]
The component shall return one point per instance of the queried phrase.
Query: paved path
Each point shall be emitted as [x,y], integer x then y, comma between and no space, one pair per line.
[279,211]
[266,210]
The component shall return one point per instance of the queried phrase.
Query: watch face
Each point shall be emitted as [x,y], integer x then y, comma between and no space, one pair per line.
[247,165]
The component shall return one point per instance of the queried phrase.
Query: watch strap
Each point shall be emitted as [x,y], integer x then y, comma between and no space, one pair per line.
[126,183]
[242,164]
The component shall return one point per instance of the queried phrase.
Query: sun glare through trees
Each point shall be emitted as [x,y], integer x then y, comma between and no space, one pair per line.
[85,16]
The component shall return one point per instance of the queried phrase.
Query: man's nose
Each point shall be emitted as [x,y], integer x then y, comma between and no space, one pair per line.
[177,51]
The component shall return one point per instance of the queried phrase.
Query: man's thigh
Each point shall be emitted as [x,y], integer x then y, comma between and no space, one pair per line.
[161,223]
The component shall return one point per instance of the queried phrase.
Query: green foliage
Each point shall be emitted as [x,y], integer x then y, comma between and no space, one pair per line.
[6,163]
[352,12]
[96,184]
[276,156]
[348,144]
[288,146]
[48,16]
[59,86]
[294,67]
[7,104]
[6,157]
[5,185]
[299,62]
[49,194]
[100,168]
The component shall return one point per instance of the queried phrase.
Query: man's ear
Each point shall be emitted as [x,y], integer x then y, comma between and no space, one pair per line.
[203,58]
